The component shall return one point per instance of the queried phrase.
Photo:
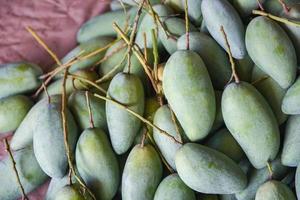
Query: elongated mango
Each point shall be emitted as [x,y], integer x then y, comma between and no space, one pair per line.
[18,78]
[192,95]
[173,188]
[217,13]
[97,163]
[142,173]
[126,89]
[13,109]
[274,190]
[271,50]
[290,103]
[208,171]
[251,121]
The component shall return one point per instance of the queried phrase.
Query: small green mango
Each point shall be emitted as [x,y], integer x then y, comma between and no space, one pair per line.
[70,193]
[272,92]
[290,103]
[173,188]
[215,59]
[18,78]
[142,173]
[208,171]
[259,176]
[275,8]
[30,173]
[97,163]
[245,7]
[175,4]
[218,123]
[167,146]
[194,11]
[126,89]
[252,123]
[192,95]
[217,13]
[274,190]
[13,109]
[271,50]
[223,141]
[78,106]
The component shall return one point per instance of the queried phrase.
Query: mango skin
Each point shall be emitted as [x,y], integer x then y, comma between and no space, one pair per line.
[142,173]
[78,106]
[69,193]
[126,89]
[13,109]
[19,78]
[218,123]
[173,188]
[55,185]
[291,151]
[167,146]
[271,50]
[97,164]
[259,176]
[194,11]
[48,139]
[192,95]
[208,171]
[244,68]
[207,197]
[245,7]
[217,13]
[224,142]
[273,7]
[215,59]
[297,182]
[274,190]
[31,175]
[290,103]
[272,92]
[252,123]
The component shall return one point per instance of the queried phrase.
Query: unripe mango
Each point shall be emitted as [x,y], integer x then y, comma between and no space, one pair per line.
[245,7]
[290,102]
[70,193]
[275,8]
[297,182]
[219,117]
[274,190]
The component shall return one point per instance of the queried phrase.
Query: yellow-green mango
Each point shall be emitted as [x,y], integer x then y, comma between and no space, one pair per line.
[274,190]
[290,103]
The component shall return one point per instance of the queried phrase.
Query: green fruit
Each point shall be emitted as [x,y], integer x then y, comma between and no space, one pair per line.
[244,68]
[48,138]
[224,142]
[251,121]
[218,123]
[30,173]
[272,6]
[97,164]
[290,102]
[79,107]
[13,109]
[69,193]
[274,190]
[167,146]
[297,181]
[192,95]
[18,78]
[175,4]
[173,188]
[217,13]
[227,197]
[259,176]
[245,7]
[142,173]
[126,89]
[208,171]
[194,11]
[215,59]
[272,92]
[271,50]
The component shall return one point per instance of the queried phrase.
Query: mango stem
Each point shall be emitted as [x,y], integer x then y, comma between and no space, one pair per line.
[270,170]
[260,5]
[284,6]
[276,18]
[88,104]
[187,25]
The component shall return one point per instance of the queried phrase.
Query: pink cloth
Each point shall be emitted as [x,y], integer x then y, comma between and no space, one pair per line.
[55,21]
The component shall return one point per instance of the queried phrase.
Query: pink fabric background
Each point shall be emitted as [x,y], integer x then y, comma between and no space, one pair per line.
[56,21]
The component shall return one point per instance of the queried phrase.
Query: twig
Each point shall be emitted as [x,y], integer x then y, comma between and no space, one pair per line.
[270,170]
[145,46]
[87,81]
[175,123]
[46,91]
[111,54]
[187,28]
[88,104]
[260,80]
[276,18]
[7,147]
[144,137]
[155,53]
[260,5]
[284,6]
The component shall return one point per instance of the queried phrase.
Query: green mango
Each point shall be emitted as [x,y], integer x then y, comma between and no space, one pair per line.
[244,68]
[217,13]
[290,103]
[48,138]
[30,173]
[245,7]
[176,27]
[272,92]
[259,176]
[252,123]
[18,78]
[78,106]
[271,50]
[291,150]
[274,190]
[208,171]
[194,11]
[218,123]
[223,141]
[70,193]
[126,89]
[175,4]
[55,185]
[215,59]
[192,95]
[142,173]
[203,28]
[97,163]
[273,7]
[167,146]
[13,109]
[173,188]
[297,181]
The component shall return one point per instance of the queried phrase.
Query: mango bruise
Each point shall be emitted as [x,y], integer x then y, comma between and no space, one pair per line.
[274,190]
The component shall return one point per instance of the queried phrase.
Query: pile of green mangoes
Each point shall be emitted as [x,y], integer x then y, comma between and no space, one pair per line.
[163,100]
